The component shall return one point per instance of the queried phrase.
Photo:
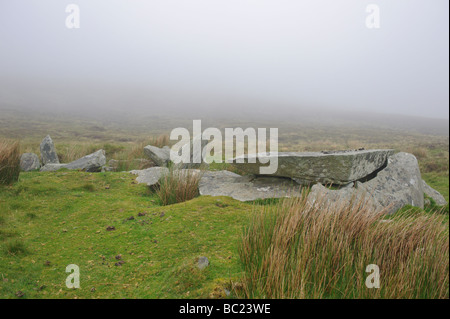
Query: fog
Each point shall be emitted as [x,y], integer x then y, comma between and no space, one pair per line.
[226,56]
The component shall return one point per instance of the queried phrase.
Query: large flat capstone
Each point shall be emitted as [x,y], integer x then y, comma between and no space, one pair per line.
[341,167]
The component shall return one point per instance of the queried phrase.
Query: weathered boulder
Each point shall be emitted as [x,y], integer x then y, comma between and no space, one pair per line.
[52,167]
[29,162]
[320,194]
[48,151]
[150,176]
[160,156]
[397,185]
[89,163]
[434,194]
[339,168]
[114,165]
[246,188]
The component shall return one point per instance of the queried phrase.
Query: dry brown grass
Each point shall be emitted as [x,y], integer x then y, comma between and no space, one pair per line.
[159,141]
[295,250]
[9,162]
[178,186]
[420,152]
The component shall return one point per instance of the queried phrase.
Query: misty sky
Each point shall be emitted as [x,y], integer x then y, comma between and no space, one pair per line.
[283,55]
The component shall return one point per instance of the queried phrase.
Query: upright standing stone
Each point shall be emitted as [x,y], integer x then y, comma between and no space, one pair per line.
[399,184]
[48,151]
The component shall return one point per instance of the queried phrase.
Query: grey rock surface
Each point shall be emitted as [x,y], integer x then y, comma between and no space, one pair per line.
[324,167]
[202,262]
[434,194]
[114,165]
[246,188]
[89,163]
[51,167]
[320,194]
[160,156]
[48,151]
[397,185]
[150,176]
[29,162]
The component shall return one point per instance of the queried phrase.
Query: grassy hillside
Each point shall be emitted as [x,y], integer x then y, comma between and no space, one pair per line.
[49,221]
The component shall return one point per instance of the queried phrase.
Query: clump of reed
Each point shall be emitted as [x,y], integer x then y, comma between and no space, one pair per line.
[178,186]
[298,250]
[9,162]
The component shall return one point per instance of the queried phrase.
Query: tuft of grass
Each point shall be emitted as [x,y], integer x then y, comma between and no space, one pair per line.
[89,187]
[298,250]
[178,186]
[9,162]
[421,153]
[31,215]
[15,247]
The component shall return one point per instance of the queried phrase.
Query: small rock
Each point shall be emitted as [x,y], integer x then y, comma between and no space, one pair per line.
[150,176]
[29,162]
[202,263]
[118,257]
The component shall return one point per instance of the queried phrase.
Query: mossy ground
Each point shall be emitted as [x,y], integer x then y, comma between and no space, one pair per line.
[51,220]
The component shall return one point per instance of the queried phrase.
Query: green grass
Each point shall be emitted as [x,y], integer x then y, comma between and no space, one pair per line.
[439,182]
[51,220]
